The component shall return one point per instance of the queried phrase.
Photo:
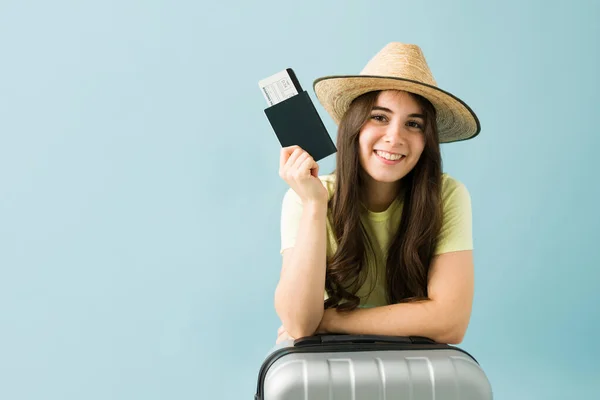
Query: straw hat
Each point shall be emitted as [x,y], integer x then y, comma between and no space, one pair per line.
[402,67]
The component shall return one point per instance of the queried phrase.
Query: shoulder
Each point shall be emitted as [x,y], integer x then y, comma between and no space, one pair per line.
[454,193]
[451,185]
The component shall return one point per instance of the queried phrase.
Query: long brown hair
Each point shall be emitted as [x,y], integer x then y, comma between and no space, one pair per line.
[411,249]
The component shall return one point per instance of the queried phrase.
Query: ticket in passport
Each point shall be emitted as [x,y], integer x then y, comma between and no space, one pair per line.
[280,86]
[293,116]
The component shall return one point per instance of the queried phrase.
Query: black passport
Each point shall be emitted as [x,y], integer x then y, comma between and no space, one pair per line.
[296,121]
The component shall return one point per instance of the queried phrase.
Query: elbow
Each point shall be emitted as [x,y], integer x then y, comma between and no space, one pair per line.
[297,319]
[452,333]
[301,331]
[452,327]
[299,326]
[454,337]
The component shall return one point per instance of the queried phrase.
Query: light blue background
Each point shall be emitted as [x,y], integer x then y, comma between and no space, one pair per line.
[140,199]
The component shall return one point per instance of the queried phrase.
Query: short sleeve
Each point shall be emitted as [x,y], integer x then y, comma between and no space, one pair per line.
[291,213]
[457,230]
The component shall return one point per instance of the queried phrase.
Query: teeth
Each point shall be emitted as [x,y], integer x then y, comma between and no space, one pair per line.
[389,156]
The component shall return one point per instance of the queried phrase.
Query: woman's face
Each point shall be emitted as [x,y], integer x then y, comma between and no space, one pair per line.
[392,139]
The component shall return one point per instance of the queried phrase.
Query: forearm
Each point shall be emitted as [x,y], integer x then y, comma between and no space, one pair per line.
[424,318]
[299,294]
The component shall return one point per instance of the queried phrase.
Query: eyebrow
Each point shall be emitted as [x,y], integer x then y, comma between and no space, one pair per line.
[414,115]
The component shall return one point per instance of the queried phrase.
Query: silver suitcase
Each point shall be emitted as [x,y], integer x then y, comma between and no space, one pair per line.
[367,367]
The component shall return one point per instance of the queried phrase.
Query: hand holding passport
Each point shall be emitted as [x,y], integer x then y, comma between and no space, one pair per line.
[301,172]
[293,116]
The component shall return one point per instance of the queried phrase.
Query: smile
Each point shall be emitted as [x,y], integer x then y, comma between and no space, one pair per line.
[389,158]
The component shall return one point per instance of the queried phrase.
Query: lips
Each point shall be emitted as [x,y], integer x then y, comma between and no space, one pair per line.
[389,162]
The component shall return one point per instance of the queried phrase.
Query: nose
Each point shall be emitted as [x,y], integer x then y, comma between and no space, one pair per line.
[395,135]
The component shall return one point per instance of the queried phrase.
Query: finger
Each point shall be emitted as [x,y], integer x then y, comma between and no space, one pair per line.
[290,170]
[285,153]
[300,163]
[282,337]
[315,169]
[296,155]
[290,160]
[308,165]
[280,330]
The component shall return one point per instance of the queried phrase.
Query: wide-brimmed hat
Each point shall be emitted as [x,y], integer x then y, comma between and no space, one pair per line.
[399,66]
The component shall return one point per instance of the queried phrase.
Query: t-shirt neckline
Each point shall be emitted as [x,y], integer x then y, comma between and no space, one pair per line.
[382,215]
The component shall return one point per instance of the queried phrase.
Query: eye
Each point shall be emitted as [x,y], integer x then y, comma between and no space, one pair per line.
[378,117]
[415,124]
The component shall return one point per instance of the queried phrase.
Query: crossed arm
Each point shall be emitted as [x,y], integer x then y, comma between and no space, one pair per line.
[444,317]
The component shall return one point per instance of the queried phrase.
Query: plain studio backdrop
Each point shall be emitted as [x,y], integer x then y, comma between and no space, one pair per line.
[140,196]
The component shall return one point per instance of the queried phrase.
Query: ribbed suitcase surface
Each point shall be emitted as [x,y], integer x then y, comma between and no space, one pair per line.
[344,367]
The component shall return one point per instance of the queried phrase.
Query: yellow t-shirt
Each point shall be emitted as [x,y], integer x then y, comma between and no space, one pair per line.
[455,235]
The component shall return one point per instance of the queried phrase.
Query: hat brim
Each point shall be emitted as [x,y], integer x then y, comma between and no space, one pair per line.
[456,121]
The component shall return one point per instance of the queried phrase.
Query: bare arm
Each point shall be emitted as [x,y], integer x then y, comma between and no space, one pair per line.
[443,318]
[299,294]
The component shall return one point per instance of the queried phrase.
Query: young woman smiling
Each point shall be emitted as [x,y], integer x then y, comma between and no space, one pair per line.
[383,245]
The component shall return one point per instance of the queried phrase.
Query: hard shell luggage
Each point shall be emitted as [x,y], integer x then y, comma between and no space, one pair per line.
[367,367]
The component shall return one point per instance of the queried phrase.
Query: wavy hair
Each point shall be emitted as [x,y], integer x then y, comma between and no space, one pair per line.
[411,248]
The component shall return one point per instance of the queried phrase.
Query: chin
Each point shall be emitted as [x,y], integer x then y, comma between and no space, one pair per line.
[386,177]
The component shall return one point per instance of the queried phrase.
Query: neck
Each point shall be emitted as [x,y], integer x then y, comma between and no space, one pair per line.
[379,195]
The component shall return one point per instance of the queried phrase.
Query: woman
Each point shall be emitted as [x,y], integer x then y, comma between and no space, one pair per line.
[384,244]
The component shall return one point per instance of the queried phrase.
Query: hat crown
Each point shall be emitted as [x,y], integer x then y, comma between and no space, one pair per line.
[400,60]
